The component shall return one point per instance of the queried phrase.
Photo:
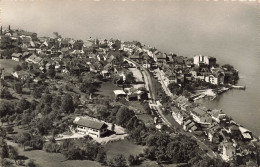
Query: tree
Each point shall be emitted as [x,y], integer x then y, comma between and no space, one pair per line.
[123,115]
[24,65]
[57,35]
[6,107]
[88,87]
[26,118]
[30,163]
[73,153]
[23,104]
[44,125]
[9,129]
[175,88]
[101,156]
[13,153]
[17,68]
[11,118]
[47,109]
[36,93]
[24,139]
[47,99]
[131,160]
[36,142]
[56,103]
[4,93]
[51,73]
[67,104]
[4,149]
[118,161]
[130,77]
[18,87]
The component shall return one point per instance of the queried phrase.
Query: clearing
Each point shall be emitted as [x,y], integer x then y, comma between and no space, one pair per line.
[107,89]
[43,159]
[8,65]
[124,147]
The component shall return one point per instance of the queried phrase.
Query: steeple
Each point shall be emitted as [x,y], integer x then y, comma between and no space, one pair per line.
[1,31]
[9,27]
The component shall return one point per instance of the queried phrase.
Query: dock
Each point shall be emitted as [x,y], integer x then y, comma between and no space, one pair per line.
[238,87]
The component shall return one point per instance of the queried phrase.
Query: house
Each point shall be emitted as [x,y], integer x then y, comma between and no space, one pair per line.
[228,152]
[178,115]
[170,58]
[17,56]
[92,68]
[247,135]
[90,127]
[187,124]
[201,116]
[200,60]
[136,94]
[135,57]
[34,59]
[211,79]
[182,102]
[101,57]
[218,115]
[26,55]
[225,135]
[119,94]
[188,62]
[23,75]
[213,134]
[106,74]
[161,57]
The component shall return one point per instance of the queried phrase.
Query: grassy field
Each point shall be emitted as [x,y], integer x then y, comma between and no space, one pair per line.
[8,65]
[43,159]
[146,118]
[107,89]
[123,147]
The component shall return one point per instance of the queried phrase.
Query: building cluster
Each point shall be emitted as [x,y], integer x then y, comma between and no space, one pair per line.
[227,135]
[69,57]
[107,58]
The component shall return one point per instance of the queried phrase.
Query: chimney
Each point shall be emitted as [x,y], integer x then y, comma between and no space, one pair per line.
[1,30]
[9,27]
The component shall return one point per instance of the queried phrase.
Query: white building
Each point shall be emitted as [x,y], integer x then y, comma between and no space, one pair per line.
[199,59]
[16,56]
[90,127]
[218,115]
[229,151]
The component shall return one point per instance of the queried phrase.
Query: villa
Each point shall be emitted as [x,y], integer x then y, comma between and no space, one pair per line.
[90,127]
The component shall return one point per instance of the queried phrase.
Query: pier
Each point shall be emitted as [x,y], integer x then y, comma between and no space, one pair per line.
[238,87]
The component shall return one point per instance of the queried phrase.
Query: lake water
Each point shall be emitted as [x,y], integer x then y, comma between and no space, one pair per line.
[228,31]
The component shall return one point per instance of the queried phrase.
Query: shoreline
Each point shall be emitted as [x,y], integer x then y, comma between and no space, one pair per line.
[211,94]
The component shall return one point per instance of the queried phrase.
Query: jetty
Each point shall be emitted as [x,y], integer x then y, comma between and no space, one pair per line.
[238,87]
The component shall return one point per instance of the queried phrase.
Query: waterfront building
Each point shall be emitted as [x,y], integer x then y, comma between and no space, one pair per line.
[200,60]
[201,116]
[218,115]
